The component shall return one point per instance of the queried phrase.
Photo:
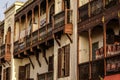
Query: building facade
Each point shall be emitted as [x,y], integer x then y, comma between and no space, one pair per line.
[43,40]
[99,40]
[7,29]
[61,40]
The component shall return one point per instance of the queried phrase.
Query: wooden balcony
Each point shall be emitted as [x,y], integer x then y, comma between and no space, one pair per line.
[49,31]
[63,22]
[5,53]
[2,50]
[16,47]
[34,39]
[113,65]
[93,12]
[43,33]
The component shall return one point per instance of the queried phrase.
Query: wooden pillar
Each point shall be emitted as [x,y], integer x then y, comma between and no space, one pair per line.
[78,18]
[63,5]
[26,22]
[46,18]
[66,16]
[103,3]
[89,10]
[90,53]
[32,23]
[104,46]
[46,11]
[19,27]
[78,13]
[38,21]
[119,19]
[14,31]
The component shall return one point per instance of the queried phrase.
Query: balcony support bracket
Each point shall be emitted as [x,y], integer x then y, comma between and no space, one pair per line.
[69,38]
[37,58]
[31,61]
[8,63]
[58,42]
[3,65]
[44,55]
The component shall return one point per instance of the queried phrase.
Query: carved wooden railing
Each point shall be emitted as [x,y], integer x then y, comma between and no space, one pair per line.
[35,37]
[83,12]
[2,50]
[22,44]
[63,21]
[59,20]
[113,65]
[28,40]
[49,29]
[111,3]
[94,7]
[16,46]
[42,32]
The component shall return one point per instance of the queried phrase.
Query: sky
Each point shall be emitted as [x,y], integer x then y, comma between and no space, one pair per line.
[3,6]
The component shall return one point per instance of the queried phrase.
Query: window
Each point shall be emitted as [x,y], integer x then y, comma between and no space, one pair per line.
[6,73]
[67,4]
[50,65]
[94,50]
[43,8]
[63,61]
[84,71]
[24,72]
[52,11]
[45,76]
[8,36]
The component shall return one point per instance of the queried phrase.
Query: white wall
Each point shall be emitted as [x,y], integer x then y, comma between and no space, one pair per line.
[83,48]
[82,2]
[58,6]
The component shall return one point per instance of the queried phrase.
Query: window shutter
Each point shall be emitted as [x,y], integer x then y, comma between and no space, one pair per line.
[22,73]
[4,74]
[50,66]
[27,71]
[8,70]
[67,59]
[59,63]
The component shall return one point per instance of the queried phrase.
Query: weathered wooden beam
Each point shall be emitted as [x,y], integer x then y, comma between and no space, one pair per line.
[90,53]
[31,61]
[104,45]
[69,38]
[25,53]
[8,63]
[37,58]
[58,42]
[3,65]
[44,55]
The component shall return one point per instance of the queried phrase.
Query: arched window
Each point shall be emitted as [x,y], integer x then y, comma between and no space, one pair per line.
[8,36]
[52,11]
[67,4]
